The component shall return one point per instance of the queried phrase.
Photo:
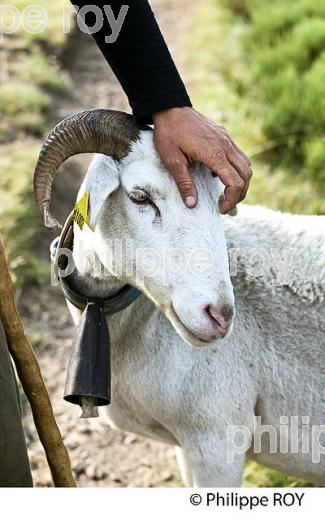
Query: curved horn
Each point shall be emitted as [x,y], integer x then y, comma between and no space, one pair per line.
[103,131]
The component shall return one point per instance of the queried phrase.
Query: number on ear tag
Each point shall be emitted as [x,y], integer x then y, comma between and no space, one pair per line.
[80,214]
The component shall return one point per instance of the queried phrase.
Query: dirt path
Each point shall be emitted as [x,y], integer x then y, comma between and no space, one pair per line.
[100,456]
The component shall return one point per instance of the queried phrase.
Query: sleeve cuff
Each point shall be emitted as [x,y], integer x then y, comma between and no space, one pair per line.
[143,110]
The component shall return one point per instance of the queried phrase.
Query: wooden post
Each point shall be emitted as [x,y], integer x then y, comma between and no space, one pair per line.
[32,381]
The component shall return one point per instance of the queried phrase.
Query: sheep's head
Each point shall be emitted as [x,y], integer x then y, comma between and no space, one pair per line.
[144,235]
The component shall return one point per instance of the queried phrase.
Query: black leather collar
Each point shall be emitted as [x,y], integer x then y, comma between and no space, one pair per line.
[110,304]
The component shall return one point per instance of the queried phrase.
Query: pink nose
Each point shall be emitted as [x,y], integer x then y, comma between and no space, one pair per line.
[222,317]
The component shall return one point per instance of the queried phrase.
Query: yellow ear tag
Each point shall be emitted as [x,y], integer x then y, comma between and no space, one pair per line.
[80,213]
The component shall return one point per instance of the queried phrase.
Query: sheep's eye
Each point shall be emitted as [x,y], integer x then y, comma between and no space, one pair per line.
[140,197]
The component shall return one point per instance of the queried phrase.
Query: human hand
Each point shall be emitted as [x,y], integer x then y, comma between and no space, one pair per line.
[183,134]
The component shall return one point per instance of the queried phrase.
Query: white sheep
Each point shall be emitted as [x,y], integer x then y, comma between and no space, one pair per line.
[185,370]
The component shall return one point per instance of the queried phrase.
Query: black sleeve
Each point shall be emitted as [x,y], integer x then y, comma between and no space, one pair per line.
[139,58]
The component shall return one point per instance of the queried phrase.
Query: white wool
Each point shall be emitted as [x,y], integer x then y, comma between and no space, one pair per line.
[271,365]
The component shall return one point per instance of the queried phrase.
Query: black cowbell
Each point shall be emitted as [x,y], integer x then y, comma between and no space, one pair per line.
[89,371]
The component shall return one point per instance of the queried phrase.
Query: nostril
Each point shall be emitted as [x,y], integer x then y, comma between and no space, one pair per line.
[227,311]
[221,315]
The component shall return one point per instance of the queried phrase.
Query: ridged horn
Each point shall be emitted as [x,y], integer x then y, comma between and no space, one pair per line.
[109,132]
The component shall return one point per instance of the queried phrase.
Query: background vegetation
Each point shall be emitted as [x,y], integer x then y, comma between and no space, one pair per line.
[29,78]
[259,67]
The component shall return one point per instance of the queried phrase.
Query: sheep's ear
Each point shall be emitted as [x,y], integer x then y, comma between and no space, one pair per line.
[101,181]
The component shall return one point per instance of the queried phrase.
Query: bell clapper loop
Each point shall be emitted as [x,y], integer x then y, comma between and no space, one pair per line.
[89,408]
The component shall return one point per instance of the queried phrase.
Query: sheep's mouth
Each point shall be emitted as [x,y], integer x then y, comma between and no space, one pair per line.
[186,334]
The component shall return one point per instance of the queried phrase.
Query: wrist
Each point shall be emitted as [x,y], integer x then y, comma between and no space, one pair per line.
[170,113]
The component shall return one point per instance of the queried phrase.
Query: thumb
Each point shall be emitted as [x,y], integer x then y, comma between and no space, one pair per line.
[177,165]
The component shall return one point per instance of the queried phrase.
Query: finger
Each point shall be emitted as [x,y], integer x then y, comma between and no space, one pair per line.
[223,130]
[229,177]
[245,189]
[232,150]
[238,160]
[231,199]
[240,151]
[177,165]
[242,167]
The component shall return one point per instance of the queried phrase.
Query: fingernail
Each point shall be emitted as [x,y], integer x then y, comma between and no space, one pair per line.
[190,201]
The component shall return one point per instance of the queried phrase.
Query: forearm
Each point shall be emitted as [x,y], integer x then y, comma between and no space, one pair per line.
[140,59]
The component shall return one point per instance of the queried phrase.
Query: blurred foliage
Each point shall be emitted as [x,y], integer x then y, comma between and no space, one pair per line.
[44,71]
[256,70]
[256,475]
[284,44]
[29,78]
[53,36]
[19,220]
[22,108]
[280,191]
[32,74]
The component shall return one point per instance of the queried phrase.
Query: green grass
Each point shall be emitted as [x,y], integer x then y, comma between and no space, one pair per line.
[26,101]
[222,79]
[26,98]
[222,72]
[33,75]
[283,47]
[18,216]
[256,475]
[53,36]
[45,73]
[23,108]
[280,191]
